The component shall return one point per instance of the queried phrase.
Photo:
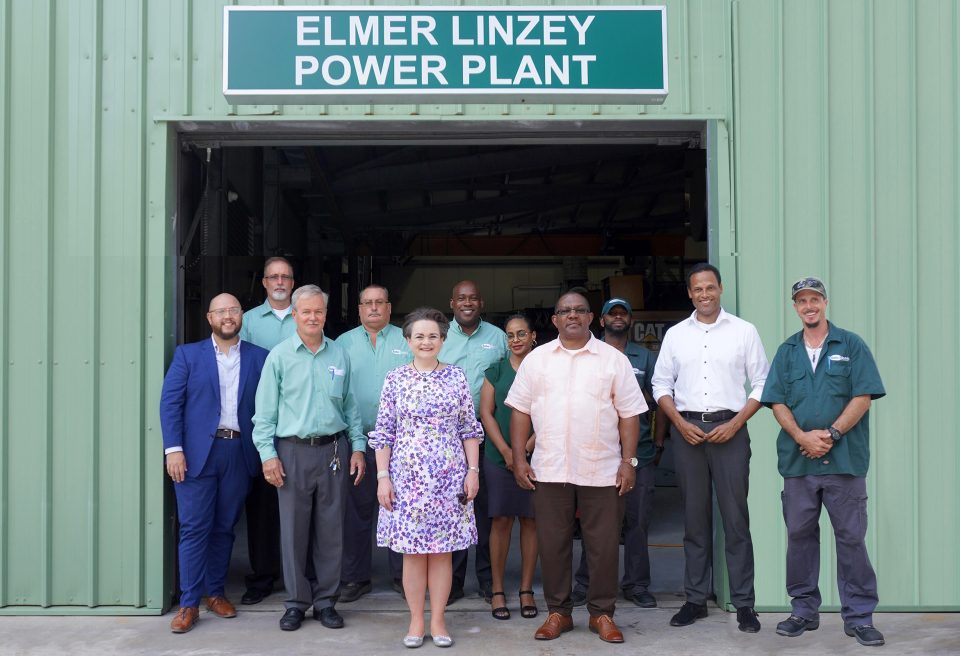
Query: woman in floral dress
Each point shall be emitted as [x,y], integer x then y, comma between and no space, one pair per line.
[427,443]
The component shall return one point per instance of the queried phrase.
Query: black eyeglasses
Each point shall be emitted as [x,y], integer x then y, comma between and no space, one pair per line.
[277,277]
[579,311]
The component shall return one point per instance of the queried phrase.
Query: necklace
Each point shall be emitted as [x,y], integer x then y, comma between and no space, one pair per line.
[814,350]
[424,373]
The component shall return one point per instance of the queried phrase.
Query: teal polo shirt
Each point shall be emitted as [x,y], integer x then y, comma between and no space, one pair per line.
[816,398]
[643,360]
[261,326]
[474,353]
[303,394]
[370,365]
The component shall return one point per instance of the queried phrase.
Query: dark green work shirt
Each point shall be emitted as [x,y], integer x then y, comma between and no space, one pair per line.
[501,375]
[816,398]
[643,360]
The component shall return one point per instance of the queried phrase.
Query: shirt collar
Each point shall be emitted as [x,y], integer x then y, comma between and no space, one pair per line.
[592,345]
[266,308]
[458,328]
[722,316]
[300,344]
[233,349]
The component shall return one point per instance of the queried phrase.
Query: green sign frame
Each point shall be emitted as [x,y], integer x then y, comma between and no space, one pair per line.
[444,54]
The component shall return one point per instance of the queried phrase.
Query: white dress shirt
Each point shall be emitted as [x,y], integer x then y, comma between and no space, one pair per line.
[704,366]
[228,370]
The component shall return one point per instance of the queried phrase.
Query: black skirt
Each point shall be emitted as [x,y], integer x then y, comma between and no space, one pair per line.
[504,497]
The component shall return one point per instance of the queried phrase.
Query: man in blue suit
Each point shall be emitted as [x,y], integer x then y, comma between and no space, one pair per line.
[206,410]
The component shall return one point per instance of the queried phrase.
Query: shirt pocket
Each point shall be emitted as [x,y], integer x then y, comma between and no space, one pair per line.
[796,388]
[336,381]
[838,378]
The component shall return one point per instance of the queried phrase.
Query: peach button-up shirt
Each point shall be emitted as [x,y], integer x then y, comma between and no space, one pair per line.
[575,400]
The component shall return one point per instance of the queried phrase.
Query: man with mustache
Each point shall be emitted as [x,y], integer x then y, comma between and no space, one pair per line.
[473,345]
[206,408]
[266,326]
[581,398]
[375,347]
[821,384]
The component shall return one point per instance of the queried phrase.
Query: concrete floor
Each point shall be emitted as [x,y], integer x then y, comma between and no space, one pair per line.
[377,622]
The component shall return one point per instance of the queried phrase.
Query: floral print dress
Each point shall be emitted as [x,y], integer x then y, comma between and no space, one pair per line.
[424,418]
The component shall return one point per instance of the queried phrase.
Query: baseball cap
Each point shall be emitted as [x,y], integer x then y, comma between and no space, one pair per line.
[813,284]
[614,302]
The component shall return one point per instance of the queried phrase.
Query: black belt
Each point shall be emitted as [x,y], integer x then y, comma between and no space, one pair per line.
[314,440]
[227,434]
[709,417]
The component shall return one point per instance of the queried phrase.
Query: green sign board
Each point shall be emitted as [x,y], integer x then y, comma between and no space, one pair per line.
[421,54]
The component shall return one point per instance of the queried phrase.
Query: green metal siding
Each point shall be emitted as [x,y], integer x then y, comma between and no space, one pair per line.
[834,150]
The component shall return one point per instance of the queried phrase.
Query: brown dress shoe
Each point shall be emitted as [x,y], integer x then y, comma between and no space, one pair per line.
[604,626]
[184,620]
[221,607]
[554,626]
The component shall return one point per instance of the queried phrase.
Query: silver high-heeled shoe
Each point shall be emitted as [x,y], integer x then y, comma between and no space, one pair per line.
[442,641]
[412,641]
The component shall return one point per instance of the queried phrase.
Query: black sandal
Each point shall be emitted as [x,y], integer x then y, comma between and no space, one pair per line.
[500,612]
[527,612]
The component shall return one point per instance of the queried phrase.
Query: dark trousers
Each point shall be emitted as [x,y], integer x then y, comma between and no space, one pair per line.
[208,507]
[601,513]
[636,526]
[727,465]
[845,498]
[263,536]
[311,523]
[360,516]
[482,556]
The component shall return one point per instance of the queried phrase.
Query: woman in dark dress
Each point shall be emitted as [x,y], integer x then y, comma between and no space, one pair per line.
[505,499]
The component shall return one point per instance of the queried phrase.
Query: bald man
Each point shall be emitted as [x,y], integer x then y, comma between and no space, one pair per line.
[206,412]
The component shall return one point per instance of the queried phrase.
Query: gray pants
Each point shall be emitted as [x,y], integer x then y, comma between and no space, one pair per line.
[311,522]
[845,498]
[727,465]
[636,555]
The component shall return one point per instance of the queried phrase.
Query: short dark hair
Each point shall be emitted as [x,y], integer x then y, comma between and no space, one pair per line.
[426,314]
[700,267]
[572,292]
[518,315]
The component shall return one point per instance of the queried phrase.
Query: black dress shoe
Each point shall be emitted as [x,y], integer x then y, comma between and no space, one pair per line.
[578,597]
[291,619]
[642,598]
[329,617]
[352,591]
[865,634]
[455,594]
[795,625]
[254,596]
[689,613]
[747,620]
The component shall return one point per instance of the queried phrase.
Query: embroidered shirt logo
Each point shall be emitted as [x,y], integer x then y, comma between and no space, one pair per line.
[839,358]
[398,351]
[486,346]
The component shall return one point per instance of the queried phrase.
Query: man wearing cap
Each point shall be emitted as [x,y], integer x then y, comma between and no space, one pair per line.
[307,431]
[699,382]
[473,345]
[616,320]
[820,387]
[266,326]
[375,348]
[206,407]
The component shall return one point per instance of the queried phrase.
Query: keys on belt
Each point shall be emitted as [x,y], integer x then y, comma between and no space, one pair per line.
[227,434]
[709,417]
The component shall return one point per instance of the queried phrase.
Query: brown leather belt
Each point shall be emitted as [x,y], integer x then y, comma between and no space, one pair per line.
[227,434]
[709,417]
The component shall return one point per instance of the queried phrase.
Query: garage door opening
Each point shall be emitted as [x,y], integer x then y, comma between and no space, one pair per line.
[525,220]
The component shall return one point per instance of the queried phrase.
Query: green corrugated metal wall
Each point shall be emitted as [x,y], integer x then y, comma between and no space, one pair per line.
[837,152]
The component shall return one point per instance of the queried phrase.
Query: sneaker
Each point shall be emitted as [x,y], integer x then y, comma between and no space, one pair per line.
[689,613]
[865,634]
[578,597]
[795,625]
[747,620]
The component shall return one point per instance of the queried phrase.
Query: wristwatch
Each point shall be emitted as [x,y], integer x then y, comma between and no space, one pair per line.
[633,462]
[835,434]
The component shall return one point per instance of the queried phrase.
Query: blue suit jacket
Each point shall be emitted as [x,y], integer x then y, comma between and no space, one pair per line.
[190,402]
